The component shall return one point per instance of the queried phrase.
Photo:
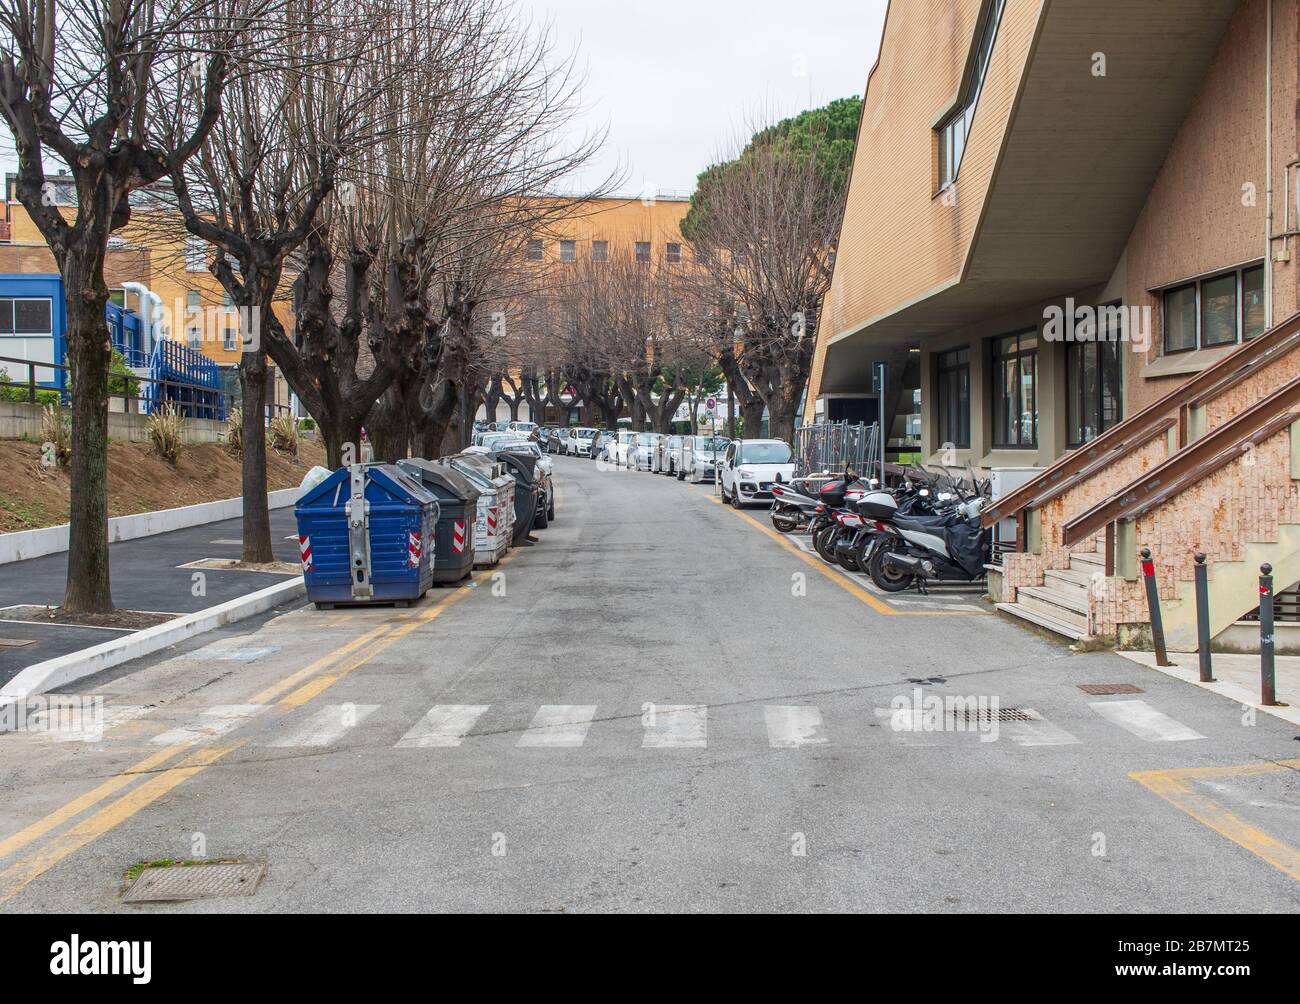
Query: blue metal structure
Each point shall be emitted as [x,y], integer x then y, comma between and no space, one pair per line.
[186,379]
[127,331]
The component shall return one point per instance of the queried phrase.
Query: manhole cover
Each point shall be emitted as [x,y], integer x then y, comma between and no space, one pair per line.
[181,882]
[16,642]
[996,714]
[1102,689]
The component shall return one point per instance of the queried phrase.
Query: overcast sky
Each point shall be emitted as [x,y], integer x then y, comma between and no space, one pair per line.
[675,80]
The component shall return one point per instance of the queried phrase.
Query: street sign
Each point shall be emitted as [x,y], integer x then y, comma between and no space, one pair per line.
[711,405]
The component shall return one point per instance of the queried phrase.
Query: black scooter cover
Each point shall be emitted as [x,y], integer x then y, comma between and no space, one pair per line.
[968,545]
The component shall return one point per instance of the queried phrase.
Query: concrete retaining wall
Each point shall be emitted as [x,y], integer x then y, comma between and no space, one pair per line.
[22,420]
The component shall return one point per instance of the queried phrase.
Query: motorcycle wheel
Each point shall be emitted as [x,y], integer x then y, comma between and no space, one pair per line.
[888,578]
[848,560]
[821,541]
[784,523]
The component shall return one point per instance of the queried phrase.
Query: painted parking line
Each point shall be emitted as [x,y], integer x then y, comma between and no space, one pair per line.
[559,726]
[843,581]
[210,724]
[443,725]
[1144,721]
[326,727]
[793,726]
[1176,788]
[675,726]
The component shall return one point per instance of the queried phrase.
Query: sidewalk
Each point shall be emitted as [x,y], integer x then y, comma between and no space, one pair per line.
[145,576]
[1236,678]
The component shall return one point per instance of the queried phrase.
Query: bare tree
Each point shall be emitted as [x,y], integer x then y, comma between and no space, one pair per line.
[117,93]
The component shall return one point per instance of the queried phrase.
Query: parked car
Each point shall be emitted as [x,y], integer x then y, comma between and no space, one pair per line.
[641,453]
[600,444]
[554,440]
[515,444]
[527,428]
[668,455]
[699,454]
[750,466]
[578,442]
[622,442]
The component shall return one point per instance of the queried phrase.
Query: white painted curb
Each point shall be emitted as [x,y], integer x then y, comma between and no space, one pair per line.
[23,544]
[65,669]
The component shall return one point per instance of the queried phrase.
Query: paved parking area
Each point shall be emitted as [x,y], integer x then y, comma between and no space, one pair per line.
[146,575]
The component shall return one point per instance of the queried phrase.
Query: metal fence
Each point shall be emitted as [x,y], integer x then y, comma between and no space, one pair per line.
[835,446]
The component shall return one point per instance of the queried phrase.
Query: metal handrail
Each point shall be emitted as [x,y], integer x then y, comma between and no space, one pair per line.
[1122,439]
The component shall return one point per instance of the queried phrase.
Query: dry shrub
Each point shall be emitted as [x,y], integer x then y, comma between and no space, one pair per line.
[282,433]
[235,430]
[56,436]
[166,429]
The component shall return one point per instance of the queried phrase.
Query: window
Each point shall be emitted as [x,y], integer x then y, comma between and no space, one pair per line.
[952,135]
[1094,382]
[227,302]
[673,253]
[534,251]
[193,301]
[1180,318]
[194,337]
[196,255]
[1221,309]
[600,250]
[568,250]
[643,252]
[1253,315]
[230,338]
[1015,391]
[117,297]
[26,316]
[952,398]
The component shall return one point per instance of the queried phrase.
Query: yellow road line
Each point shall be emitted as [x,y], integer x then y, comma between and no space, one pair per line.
[363,649]
[83,802]
[841,580]
[22,873]
[1170,785]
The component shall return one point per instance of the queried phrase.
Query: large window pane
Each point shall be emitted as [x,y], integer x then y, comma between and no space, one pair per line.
[32,317]
[1180,318]
[6,316]
[1253,314]
[1015,390]
[1219,310]
[952,389]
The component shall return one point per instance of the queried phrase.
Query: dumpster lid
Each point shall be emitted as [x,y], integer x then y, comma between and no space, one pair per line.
[480,468]
[384,478]
[524,465]
[444,481]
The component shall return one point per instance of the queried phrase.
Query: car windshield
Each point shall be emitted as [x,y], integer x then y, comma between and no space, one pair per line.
[626,437]
[703,444]
[764,453]
[586,433]
[646,438]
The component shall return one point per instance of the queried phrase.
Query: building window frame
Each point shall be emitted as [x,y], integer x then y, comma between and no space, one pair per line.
[568,250]
[642,251]
[9,317]
[952,374]
[600,251]
[1091,414]
[673,253]
[1244,295]
[1023,357]
[535,250]
[196,254]
[953,134]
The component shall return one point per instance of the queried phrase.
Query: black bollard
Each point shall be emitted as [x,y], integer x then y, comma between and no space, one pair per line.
[1203,618]
[1153,609]
[1267,681]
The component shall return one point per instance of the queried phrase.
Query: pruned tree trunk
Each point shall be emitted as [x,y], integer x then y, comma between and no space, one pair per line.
[257,514]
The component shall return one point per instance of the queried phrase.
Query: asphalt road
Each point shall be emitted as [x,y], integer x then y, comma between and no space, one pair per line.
[660,707]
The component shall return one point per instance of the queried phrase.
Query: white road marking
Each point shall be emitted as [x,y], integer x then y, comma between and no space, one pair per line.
[1039,732]
[327,726]
[558,726]
[675,726]
[215,721]
[81,726]
[443,725]
[792,726]
[1144,721]
[906,726]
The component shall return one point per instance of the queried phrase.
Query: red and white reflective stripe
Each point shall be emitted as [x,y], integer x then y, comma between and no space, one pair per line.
[492,520]
[304,549]
[414,549]
[458,535]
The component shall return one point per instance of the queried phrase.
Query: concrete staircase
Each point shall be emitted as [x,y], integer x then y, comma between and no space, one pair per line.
[1060,604]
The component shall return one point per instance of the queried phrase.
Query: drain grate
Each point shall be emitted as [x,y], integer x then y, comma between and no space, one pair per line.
[972,715]
[1105,689]
[178,883]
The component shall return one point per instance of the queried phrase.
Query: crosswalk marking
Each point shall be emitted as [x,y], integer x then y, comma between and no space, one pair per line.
[792,726]
[327,726]
[559,726]
[213,722]
[1039,732]
[443,725]
[1144,721]
[83,726]
[675,726]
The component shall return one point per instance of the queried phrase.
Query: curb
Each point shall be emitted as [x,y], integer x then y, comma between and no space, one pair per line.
[1233,692]
[59,672]
[23,544]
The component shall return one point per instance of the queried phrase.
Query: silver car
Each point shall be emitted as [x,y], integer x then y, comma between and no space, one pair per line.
[641,452]
[668,456]
[699,457]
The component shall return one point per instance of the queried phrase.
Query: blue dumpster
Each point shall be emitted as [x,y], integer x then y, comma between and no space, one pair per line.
[366,534]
